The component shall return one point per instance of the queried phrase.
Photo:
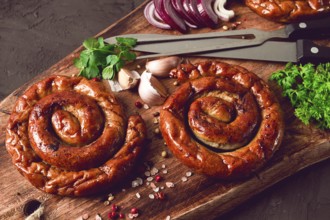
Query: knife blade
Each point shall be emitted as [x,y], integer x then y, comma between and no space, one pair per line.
[301,51]
[310,29]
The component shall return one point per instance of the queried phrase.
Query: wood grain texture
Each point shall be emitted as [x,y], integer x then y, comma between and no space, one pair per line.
[199,196]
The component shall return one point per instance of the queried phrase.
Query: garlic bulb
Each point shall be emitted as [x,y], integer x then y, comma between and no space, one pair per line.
[128,79]
[151,90]
[163,66]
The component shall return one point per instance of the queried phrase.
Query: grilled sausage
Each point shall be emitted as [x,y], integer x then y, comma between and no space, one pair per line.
[67,136]
[225,123]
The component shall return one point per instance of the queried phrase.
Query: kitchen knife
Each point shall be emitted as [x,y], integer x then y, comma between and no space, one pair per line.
[302,30]
[301,51]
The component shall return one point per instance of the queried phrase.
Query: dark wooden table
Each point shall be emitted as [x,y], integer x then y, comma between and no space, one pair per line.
[36,34]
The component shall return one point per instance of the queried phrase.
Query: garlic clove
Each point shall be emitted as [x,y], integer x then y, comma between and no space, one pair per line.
[151,90]
[163,66]
[128,79]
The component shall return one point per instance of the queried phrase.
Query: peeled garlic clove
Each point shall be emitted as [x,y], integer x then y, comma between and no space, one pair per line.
[151,91]
[128,79]
[163,66]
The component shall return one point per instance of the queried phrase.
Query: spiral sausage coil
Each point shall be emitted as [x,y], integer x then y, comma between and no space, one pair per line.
[223,121]
[289,10]
[69,136]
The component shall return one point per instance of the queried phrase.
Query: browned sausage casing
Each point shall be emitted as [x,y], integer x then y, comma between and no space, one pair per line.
[225,123]
[69,136]
[289,10]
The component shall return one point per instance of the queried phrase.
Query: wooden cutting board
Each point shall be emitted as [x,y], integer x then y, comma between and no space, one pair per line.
[197,197]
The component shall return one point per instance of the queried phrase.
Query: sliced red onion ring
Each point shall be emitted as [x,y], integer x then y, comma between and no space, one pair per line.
[151,15]
[190,13]
[219,9]
[193,8]
[205,9]
[167,12]
[178,6]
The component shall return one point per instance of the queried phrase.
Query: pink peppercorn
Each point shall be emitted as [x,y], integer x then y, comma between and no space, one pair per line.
[134,211]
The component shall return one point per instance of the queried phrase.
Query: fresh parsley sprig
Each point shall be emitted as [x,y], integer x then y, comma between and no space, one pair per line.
[308,88]
[102,60]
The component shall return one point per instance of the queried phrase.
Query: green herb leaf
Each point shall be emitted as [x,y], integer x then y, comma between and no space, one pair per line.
[126,41]
[308,89]
[108,72]
[102,60]
[91,43]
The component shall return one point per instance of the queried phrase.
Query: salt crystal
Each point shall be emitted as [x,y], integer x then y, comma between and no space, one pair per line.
[168,217]
[138,195]
[151,196]
[149,179]
[189,174]
[169,184]
[184,179]
[154,171]
[135,183]
[164,171]
[98,217]
[156,189]
[147,173]
[139,180]
[153,185]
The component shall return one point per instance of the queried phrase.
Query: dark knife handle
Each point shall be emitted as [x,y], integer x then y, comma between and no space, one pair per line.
[309,52]
[311,29]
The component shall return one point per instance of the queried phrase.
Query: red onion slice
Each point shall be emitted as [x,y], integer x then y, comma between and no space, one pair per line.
[189,10]
[178,6]
[166,11]
[151,15]
[205,9]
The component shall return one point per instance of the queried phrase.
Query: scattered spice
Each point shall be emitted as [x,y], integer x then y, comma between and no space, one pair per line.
[169,184]
[160,195]
[164,154]
[113,215]
[98,217]
[154,171]
[156,131]
[134,211]
[114,208]
[111,197]
[158,178]
[155,120]
[175,83]
[147,173]
[138,195]
[138,104]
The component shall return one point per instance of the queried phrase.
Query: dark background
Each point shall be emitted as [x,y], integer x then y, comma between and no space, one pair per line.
[35,34]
